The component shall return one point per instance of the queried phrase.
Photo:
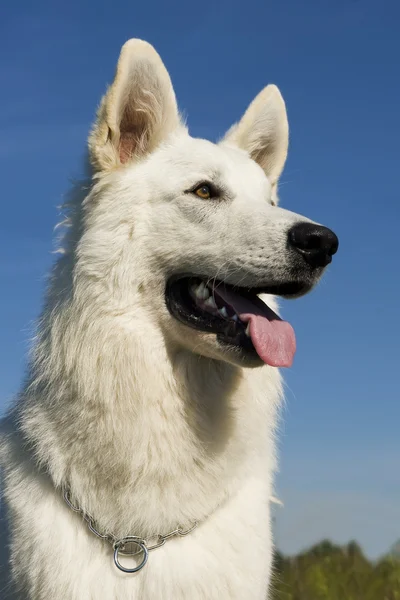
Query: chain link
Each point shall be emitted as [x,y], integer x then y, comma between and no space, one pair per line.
[120,545]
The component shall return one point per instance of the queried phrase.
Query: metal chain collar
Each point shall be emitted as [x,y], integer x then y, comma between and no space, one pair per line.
[128,545]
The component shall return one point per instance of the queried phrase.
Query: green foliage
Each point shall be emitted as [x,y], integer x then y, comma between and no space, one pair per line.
[330,572]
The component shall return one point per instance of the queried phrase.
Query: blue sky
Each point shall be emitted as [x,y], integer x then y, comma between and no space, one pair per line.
[336,62]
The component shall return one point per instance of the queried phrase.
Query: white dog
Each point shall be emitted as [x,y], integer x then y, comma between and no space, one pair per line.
[151,401]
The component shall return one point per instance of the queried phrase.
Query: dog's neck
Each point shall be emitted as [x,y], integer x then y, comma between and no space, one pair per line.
[137,424]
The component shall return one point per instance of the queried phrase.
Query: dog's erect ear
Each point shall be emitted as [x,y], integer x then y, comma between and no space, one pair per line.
[263,132]
[138,111]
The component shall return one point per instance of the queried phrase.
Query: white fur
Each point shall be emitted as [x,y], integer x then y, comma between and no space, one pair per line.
[152,424]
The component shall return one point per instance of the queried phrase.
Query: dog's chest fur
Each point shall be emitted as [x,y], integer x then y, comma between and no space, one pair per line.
[215,469]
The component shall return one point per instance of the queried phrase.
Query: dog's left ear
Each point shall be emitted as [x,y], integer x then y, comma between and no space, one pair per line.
[263,132]
[138,111]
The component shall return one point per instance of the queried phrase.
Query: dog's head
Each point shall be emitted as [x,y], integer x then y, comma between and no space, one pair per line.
[188,232]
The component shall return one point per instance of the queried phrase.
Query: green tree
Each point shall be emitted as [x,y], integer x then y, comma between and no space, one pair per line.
[330,572]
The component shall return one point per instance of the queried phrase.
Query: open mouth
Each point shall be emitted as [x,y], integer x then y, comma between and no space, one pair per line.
[238,317]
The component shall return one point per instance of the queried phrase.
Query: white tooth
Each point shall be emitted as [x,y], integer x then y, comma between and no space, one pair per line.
[210,303]
[199,290]
[202,291]
[235,318]
[247,332]
[223,312]
[193,290]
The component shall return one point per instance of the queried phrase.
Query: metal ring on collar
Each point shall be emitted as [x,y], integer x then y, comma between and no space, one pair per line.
[120,547]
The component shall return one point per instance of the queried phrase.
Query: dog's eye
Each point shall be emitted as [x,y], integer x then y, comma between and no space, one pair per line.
[203,191]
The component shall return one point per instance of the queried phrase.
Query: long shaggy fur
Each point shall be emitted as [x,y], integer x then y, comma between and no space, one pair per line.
[149,423]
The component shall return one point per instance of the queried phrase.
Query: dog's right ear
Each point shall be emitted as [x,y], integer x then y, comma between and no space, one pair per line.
[138,111]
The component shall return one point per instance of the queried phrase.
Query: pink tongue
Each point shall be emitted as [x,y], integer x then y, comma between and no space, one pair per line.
[273,339]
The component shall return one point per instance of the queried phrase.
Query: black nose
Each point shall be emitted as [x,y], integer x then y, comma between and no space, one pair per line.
[315,243]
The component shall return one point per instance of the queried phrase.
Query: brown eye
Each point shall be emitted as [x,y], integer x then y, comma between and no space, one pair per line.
[203,192]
